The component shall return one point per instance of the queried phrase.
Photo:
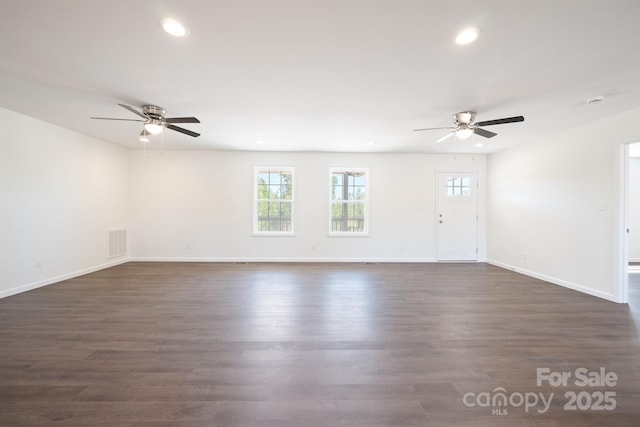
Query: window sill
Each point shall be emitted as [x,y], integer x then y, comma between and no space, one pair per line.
[273,234]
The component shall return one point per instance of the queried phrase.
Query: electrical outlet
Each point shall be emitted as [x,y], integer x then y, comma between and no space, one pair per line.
[188,245]
[525,256]
[38,263]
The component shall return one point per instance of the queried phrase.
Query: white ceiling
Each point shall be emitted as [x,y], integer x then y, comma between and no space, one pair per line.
[320,75]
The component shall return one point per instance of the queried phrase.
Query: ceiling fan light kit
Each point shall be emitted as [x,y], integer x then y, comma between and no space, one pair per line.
[153,127]
[464,133]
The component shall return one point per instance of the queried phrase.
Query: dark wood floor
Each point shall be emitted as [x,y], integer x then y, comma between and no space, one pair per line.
[310,345]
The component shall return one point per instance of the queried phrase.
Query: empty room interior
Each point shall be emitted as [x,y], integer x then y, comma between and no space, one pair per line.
[319,213]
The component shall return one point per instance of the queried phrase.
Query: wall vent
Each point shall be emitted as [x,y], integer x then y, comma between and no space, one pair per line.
[117,242]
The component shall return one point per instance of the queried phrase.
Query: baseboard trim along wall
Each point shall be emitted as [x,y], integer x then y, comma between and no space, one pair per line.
[60,278]
[223,259]
[555,281]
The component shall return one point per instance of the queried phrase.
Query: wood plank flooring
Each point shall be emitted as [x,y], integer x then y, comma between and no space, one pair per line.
[310,345]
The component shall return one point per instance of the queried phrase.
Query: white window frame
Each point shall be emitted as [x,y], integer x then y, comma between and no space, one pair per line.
[365,202]
[262,169]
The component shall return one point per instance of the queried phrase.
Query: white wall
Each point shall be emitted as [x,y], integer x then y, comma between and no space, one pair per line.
[552,207]
[634,209]
[204,199]
[553,203]
[61,191]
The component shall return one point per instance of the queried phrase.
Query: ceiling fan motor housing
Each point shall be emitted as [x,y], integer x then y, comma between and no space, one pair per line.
[154,112]
[465,118]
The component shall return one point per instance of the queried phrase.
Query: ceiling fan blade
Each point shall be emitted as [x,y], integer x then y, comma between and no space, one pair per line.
[484,132]
[448,127]
[182,120]
[501,121]
[133,110]
[183,130]
[447,136]
[111,118]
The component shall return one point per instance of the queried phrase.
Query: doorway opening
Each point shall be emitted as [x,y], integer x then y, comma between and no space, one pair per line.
[631,245]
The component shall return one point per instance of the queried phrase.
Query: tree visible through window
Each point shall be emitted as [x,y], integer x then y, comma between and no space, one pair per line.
[349,198]
[273,200]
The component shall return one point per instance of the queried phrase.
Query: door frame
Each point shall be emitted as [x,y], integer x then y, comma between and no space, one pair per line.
[621,223]
[437,206]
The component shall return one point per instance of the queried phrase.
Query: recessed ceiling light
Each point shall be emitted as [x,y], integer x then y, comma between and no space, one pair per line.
[371,143]
[468,35]
[173,27]
[260,142]
[478,144]
[144,138]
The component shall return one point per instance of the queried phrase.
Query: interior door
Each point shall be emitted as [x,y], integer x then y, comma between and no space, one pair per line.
[457,216]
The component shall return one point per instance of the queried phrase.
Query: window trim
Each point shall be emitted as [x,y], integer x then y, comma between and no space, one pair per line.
[262,169]
[330,201]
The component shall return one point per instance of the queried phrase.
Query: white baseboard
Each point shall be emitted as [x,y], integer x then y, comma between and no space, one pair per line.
[556,281]
[60,278]
[224,259]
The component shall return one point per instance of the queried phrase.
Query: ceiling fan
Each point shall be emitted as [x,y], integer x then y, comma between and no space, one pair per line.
[466,125]
[154,120]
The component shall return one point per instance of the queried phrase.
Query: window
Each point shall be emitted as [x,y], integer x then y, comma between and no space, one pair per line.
[457,187]
[349,189]
[273,200]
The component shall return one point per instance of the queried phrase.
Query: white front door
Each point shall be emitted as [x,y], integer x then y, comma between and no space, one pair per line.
[457,217]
